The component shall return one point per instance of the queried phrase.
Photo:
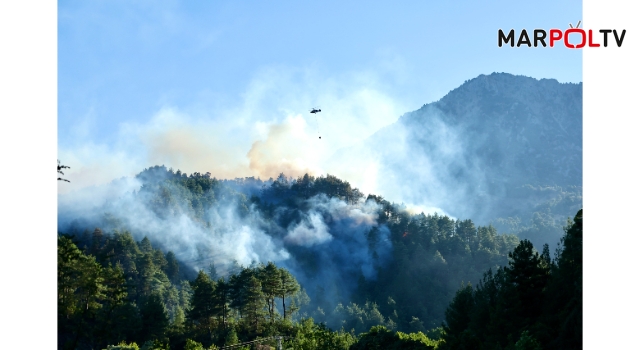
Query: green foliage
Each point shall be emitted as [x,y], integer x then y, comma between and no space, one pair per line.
[432,254]
[253,308]
[117,288]
[124,346]
[312,336]
[154,345]
[155,320]
[80,292]
[566,288]
[435,333]
[419,337]
[381,338]
[193,345]
[457,314]
[120,295]
[359,319]
[528,273]
[202,306]
[308,186]
[544,224]
[173,269]
[534,300]
[287,287]
[221,300]
[231,338]
[527,342]
[270,282]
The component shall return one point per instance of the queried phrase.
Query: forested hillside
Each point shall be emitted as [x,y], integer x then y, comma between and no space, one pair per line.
[174,260]
[121,290]
[500,149]
[193,258]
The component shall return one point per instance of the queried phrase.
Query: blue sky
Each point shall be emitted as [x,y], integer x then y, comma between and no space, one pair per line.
[188,84]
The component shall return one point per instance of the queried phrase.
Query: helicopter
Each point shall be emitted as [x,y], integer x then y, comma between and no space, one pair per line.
[314,111]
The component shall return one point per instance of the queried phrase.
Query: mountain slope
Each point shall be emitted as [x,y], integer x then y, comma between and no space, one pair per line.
[498,146]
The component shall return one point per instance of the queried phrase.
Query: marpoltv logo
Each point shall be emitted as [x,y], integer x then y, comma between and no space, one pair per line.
[540,36]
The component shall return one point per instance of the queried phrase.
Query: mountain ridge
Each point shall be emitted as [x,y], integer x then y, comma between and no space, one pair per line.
[473,152]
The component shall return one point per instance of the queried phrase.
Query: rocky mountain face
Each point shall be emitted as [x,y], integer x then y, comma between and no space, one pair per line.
[498,146]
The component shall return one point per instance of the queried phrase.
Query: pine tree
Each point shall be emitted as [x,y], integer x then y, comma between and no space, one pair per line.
[457,334]
[221,300]
[287,287]
[173,269]
[529,273]
[147,271]
[110,315]
[202,301]
[155,319]
[231,338]
[565,289]
[68,255]
[253,308]
[159,260]
[238,285]
[80,293]
[145,245]
[269,276]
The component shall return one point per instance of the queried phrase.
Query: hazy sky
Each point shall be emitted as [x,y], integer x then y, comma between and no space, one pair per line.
[225,86]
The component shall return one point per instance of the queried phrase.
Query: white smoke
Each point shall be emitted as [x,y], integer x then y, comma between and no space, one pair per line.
[329,231]
[310,233]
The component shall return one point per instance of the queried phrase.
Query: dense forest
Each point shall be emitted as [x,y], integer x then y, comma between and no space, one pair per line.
[327,269]
[533,303]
